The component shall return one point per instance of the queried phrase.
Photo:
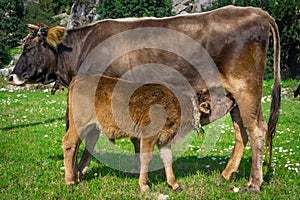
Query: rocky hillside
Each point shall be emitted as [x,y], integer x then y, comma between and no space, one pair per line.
[83,12]
[187,6]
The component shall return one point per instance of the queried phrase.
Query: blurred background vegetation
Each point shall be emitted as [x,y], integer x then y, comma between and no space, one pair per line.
[16,13]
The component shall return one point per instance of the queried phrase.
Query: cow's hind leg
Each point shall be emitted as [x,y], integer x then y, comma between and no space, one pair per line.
[71,142]
[241,140]
[256,138]
[166,156]
[147,147]
[255,126]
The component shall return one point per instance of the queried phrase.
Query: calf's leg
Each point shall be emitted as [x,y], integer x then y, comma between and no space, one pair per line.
[90,142]
[241,140]
[166,156]
[136,143]
[147,147]
[71,142]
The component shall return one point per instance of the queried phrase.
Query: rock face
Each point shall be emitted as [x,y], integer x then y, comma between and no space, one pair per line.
[83,12]
[188,6]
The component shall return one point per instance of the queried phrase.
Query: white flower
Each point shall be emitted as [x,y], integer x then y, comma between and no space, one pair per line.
[163,197]
[236,189]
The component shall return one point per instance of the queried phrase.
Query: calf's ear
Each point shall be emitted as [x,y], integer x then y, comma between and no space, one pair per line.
[55,35]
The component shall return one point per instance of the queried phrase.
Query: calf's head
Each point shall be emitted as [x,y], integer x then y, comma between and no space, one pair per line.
[39,57]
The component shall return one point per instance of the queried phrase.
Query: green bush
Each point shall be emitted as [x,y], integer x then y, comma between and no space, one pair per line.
[15,13]
[286,14]
[11,13]
[136,8]
[44,10]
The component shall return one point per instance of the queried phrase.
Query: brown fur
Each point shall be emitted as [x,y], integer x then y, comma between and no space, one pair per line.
[55,36]
[140,104]
[236,38]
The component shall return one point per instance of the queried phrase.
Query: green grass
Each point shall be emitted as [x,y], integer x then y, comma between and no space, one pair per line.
[32,125]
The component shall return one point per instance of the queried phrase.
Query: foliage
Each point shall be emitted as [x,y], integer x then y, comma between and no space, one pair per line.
[31,158]
[14,14]
[136,8]
[286,14]
[45,10]
[11,13]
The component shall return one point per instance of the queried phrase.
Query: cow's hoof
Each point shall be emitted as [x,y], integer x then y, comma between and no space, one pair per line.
[145,188]
[84,170]
[252,189]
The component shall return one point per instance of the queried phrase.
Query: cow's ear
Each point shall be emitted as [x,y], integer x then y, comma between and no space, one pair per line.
[55,35]
[204,108]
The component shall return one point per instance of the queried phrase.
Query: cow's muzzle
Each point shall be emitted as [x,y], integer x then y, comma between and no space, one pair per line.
[15,80]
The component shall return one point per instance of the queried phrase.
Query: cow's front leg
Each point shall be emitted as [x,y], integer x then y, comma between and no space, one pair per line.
[147,147]
[71,142]
[166,156]
[241,140]
[90,143]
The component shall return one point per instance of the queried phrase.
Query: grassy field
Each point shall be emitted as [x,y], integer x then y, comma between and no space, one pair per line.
[32,125]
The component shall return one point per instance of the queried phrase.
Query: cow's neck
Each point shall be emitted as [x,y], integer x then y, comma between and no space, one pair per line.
[73,51]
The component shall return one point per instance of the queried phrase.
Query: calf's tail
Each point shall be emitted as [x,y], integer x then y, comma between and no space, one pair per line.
[276,92]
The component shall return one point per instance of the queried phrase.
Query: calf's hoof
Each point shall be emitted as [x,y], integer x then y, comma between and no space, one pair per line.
[145,188]
[68,183]
[176,187]
[225,176]
[179,189]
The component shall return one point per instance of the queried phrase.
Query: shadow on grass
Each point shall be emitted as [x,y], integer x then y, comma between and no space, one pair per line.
[48,121]
[183,167]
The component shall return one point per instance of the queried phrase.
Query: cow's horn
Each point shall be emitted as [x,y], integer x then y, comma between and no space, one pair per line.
[33,27]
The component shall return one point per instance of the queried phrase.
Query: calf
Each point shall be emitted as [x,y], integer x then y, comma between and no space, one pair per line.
[157,116]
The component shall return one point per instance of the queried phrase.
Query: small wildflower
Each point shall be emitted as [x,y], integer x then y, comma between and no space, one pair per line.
[163,197]
[236,189]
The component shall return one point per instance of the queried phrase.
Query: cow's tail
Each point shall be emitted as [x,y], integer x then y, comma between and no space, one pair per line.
[276,92]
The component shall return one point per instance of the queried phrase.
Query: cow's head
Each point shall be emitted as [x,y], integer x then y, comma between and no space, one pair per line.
[39,56]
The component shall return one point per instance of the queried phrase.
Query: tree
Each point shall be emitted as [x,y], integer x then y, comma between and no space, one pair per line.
[37,11]
[135,8]
[11,12]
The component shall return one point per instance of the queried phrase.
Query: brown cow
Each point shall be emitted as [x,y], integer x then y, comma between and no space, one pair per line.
[236,38]
[92,109]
